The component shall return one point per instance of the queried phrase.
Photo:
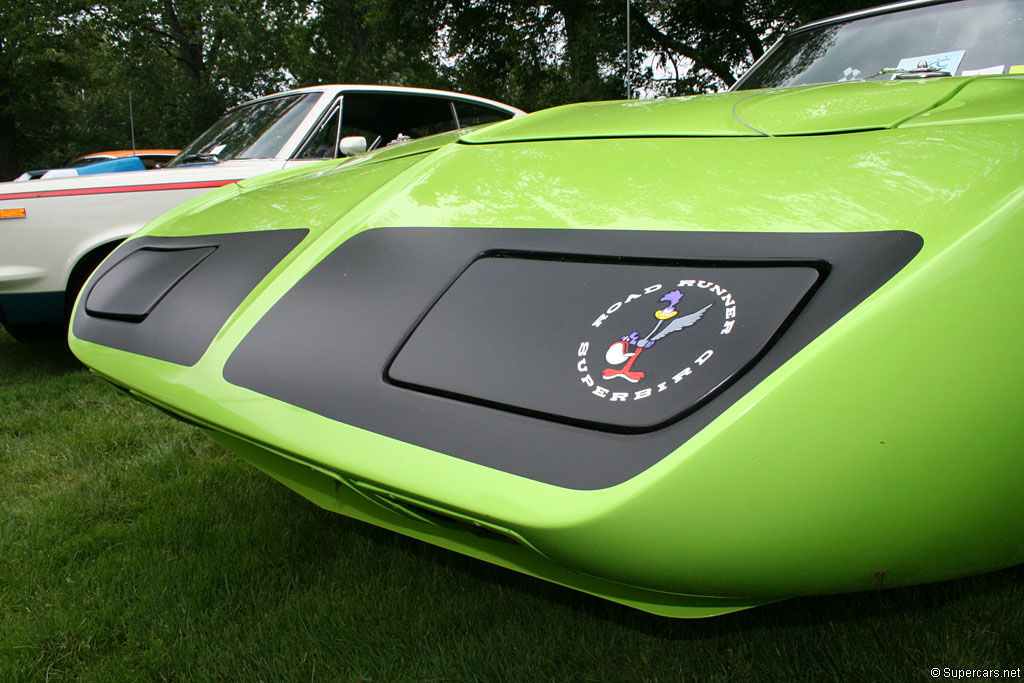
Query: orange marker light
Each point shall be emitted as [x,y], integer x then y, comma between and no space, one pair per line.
[13,213]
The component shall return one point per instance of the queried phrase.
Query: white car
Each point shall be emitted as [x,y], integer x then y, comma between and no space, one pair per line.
[53,233]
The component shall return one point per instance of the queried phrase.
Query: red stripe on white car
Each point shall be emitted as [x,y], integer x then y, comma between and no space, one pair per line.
[114,190]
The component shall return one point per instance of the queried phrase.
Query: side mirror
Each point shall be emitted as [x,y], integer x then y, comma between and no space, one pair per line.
[352,145]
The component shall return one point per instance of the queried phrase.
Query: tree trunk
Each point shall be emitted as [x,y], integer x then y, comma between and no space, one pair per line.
[9,162]
[188,38]
[581,49]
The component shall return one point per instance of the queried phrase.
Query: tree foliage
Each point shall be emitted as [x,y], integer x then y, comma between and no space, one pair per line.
[36,64]
[68,67]
[367,41]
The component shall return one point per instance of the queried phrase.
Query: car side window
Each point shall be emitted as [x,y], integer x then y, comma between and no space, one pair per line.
[323,144]
[475,114]
[394,116]
[384,118]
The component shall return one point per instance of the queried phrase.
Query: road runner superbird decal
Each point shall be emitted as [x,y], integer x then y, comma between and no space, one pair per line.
[618,352]
[619,357]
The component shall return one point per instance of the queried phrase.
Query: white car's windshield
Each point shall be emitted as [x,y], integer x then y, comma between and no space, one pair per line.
[252,131]
[970,37]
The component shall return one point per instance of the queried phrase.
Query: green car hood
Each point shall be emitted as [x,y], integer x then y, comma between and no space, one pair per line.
[809,110]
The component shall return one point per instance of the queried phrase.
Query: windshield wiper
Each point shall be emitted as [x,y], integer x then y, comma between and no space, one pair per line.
[922,71]
[926,72]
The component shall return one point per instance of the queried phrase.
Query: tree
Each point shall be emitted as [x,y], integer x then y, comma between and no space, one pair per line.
[213,53]
[704,45]
[540,54]
[68,67]
[34,58]
[388,42]
[505,49]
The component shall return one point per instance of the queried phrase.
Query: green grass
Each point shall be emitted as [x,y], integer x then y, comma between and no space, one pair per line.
[133,548]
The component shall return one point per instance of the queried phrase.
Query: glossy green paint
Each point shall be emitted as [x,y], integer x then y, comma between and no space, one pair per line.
[807,110]
[886,452]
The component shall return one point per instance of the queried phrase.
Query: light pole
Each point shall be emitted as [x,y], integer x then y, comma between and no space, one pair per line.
[629,58]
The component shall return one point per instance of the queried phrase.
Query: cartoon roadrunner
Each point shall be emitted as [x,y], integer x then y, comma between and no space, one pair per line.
[618,352]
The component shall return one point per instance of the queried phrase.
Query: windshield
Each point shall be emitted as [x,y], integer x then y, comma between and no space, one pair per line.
[252,131]
[956,38]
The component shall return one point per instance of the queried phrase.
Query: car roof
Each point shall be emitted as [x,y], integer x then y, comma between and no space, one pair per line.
[334,89]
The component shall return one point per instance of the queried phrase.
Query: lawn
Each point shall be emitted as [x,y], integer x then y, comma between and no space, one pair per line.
[133,548]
